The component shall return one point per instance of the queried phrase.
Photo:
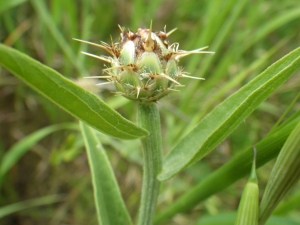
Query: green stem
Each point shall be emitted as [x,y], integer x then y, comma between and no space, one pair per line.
[148,118]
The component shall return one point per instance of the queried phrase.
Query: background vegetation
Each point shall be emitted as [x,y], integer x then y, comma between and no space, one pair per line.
[247,36]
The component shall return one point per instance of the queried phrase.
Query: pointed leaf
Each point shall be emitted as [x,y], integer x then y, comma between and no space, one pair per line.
[217,125]
[42,201]
[111,209]
[70,97]
[21,147]
[285,174]
[248,210]
[233,170]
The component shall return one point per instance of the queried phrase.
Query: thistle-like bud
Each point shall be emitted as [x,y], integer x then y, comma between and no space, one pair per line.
[143,66]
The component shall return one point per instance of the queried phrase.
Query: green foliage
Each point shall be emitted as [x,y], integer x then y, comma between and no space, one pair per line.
[6,5]
[16,207]
[216,120]
[284,175]
[230,113]
[236,168]
[228,219]
[72,98]
[109,203]
[248,210]
[24,145]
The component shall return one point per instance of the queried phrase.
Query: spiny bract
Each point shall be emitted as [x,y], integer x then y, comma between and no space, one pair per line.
[144,67]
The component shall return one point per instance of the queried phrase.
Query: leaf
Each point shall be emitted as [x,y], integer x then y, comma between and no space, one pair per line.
[7,4]
[228,219]
[217,125]
[287,206]
[285,174]
[75,100]
[248,210]
[16,207]
[233,170]
[44,16]
[111,209]
[21,147]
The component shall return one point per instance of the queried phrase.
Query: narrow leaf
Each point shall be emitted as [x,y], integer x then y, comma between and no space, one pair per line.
[111,209]
[70,97]
[235,169]
[16,207]
[284,175]
[228,219]
[44,16]
[21,147]
[247,213]
[6,5]
[292,203]
[217,125]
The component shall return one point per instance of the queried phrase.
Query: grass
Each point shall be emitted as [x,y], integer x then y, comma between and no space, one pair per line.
[247,38]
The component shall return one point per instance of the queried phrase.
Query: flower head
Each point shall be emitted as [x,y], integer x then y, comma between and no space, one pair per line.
[143,65]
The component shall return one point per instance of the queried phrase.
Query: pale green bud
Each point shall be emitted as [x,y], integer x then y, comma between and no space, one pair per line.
[143,66]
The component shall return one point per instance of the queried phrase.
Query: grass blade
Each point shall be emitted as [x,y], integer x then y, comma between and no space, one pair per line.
[217,125]
[247,213]
[284,175]
[233,170]
[233,83]
[72,98]
[22,146]
[46,200]
[292,203]
[228,219]
[45,17]
[111,209]
[215,46]
[6,5]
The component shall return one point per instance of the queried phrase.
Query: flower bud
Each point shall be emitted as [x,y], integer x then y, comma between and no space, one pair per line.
[143,66]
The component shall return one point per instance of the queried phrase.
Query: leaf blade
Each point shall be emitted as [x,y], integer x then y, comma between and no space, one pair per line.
[75,100]
[16,207]
[6,5]
[17,150]
[217,125]
[236,168]
[111,209]
[285,174]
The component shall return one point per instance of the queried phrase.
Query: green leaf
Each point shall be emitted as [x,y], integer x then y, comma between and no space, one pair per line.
[248,210]
[284,175]
[16,207]
[111,209]
[75,100]
[228,219]
[233,170]
[44,16]
[7,4]
[217,125]
[21,147]
[292,203]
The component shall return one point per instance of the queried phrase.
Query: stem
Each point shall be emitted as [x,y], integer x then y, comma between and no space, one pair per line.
[148,118]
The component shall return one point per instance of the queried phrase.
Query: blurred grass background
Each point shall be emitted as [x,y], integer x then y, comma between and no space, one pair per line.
[247,36]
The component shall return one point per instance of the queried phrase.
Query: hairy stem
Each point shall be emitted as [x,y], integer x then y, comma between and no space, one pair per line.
[148,118]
